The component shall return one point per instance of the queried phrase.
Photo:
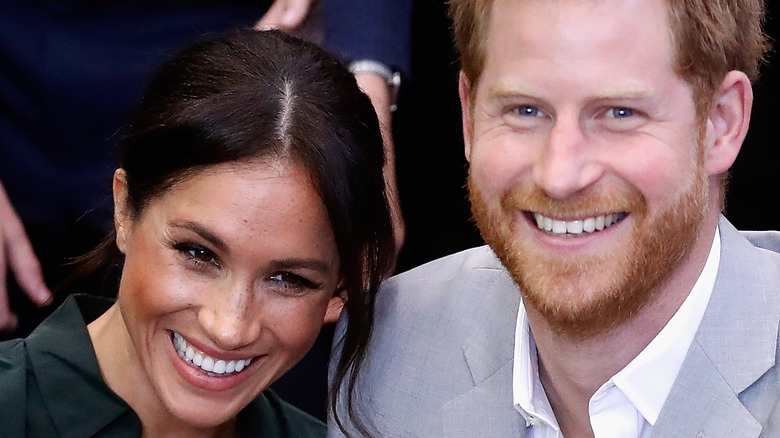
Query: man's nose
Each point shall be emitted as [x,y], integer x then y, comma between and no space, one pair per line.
[567,162]
[230,317]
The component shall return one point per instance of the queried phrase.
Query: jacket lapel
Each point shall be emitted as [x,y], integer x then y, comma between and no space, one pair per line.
[702,404]
[487,410]
[734,346]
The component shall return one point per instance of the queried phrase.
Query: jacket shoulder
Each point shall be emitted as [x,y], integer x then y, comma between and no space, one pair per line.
[463,275]
[270,416]
[13,387]
[769,240]
[431,325]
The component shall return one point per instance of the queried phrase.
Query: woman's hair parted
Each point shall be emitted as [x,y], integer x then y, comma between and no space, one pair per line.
[253,95]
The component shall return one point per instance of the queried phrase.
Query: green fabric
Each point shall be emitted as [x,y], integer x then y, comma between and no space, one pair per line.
[51,386]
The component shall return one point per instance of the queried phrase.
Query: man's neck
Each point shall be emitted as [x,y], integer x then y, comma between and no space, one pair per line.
[571,371]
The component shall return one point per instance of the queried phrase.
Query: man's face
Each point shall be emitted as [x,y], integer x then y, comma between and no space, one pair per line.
[587,171]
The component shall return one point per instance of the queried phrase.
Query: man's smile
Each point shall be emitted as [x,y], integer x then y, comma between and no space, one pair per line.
[577,227]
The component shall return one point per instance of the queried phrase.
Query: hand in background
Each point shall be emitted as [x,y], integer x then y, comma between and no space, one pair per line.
[289,15]
[285,15]
[16,253]
[375,87]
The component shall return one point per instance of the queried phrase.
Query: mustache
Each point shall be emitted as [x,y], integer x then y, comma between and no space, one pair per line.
[587,203]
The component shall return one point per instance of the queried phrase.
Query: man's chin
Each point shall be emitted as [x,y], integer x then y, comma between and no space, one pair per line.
[579,301]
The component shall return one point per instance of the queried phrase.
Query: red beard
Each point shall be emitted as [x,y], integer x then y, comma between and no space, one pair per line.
[580,296]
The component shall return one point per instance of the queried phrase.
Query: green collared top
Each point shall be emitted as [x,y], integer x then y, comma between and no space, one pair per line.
[51,386]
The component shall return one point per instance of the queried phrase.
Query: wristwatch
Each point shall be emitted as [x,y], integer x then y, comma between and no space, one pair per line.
[393,78]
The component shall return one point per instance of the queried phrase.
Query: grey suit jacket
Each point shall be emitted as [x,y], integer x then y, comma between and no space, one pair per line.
[441,356]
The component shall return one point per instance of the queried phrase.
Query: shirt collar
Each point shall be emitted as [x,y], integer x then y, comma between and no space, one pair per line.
[529,396]
[647,380]
[661,359]
[62,358]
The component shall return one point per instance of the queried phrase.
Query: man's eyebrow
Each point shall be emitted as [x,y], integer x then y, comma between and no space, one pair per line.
[627,92]
[503,90]
[203,232]
[624,91]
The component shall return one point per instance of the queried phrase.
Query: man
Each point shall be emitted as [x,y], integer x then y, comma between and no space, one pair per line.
[613,299]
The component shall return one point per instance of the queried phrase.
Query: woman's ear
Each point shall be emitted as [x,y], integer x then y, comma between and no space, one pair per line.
[333,311]
[122,216]
[727,122]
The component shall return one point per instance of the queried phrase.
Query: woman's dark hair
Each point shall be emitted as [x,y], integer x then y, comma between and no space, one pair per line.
[248,95]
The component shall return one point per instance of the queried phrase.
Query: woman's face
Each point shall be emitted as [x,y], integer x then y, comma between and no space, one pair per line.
[227,281]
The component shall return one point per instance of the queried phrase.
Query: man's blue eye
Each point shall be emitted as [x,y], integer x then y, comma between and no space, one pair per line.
[528,111]
[620,113]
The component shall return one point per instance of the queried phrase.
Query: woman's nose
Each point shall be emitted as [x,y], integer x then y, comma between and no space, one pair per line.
[229,316]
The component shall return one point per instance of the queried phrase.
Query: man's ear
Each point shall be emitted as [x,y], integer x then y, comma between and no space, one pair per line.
[727,122]
[122,216]
[335,305]
[464,90]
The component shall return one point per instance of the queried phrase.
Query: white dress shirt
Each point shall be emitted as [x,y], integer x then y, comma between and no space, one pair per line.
[628,404]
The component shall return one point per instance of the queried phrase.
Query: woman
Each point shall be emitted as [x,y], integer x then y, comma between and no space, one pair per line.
[249,207]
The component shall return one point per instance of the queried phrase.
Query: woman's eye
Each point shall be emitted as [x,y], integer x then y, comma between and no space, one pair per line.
[295,282]
[528,111]
[197,253]
[619,113]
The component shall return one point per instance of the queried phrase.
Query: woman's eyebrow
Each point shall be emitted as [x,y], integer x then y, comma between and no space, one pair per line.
[308,263]
[203,232]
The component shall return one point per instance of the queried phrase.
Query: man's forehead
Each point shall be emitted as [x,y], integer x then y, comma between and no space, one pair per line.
[578,29]
[537,12]
[578,54]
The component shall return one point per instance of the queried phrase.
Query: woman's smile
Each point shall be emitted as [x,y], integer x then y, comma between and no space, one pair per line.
[212,366]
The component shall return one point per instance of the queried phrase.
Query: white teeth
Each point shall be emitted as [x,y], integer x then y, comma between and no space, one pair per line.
[539,220]
[548,224]
[600,223]
[589,225]
[574,227]
[210,365]
[577,227]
